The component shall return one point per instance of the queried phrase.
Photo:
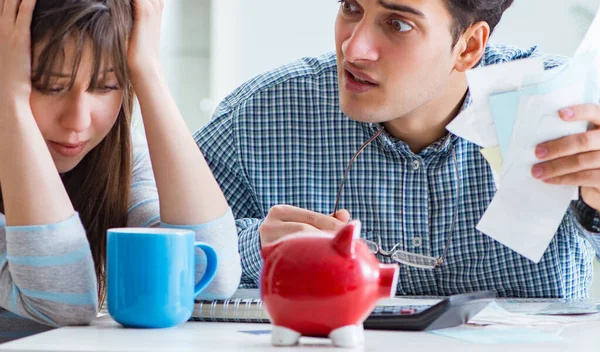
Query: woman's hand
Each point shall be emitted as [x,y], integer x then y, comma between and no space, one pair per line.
[144,44]
[15,51]
[32,191]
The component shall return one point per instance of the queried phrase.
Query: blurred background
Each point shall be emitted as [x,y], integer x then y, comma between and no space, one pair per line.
[209,47]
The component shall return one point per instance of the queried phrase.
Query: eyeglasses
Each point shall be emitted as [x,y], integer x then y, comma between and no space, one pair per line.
[400,256]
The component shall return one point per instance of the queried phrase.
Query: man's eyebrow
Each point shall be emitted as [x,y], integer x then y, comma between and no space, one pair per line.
[401,8]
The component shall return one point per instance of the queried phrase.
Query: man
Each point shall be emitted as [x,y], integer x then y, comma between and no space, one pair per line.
[398,77]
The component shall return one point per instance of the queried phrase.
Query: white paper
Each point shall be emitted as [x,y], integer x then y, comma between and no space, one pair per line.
[501,314]
[475,123]
[525,212]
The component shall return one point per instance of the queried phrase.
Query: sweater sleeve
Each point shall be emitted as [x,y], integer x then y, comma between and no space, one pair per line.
[221,234]
[47,273]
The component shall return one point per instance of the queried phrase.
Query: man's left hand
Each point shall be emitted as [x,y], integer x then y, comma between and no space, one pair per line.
[574,160]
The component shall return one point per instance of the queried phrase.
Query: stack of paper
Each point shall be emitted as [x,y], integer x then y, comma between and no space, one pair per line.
[515,108]
[496,314]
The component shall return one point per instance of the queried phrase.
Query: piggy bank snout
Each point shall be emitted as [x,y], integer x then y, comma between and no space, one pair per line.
[388,280]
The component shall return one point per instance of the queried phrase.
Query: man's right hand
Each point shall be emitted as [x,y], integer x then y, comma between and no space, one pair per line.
[283,220]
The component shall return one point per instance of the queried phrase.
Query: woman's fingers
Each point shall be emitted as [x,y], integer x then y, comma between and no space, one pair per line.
[25,15]
[9,9]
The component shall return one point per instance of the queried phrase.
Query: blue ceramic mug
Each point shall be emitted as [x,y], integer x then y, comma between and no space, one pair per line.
[150,274]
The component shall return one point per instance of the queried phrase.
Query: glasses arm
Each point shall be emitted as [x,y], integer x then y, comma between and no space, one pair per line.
[339,193]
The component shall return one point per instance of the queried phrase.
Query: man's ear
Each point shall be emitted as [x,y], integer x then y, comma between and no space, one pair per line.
[471,45]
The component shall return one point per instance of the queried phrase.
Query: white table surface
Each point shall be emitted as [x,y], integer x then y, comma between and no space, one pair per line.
[106,335]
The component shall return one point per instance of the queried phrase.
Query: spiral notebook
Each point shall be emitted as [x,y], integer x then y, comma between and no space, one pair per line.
[244,306]
[235,310]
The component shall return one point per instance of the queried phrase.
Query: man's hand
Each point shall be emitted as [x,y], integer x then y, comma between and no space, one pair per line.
[574,160]
[283,220]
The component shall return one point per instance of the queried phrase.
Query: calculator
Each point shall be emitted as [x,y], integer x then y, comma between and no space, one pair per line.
[452,311]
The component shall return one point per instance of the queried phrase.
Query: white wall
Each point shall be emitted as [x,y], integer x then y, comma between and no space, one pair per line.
[212,46]
[185,55]
[556,26]
[249,37]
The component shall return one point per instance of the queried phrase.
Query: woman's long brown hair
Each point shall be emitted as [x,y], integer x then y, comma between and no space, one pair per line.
[98,186]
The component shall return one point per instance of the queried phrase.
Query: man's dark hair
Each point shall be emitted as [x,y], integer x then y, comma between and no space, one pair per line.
[467,12]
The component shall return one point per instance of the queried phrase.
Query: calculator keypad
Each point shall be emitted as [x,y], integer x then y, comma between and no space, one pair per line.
[399,310]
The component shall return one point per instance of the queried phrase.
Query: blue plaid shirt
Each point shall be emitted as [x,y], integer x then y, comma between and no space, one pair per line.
[281,138]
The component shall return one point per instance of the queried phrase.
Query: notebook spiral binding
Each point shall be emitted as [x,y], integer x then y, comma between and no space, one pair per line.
[239,310]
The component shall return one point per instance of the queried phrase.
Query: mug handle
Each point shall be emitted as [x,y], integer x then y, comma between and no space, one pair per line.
[211,267]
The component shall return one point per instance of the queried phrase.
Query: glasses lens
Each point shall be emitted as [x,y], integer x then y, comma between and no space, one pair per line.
[415,260]
[373,247]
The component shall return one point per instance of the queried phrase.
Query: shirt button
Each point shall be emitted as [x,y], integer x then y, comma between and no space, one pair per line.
[416,165]
[417,241]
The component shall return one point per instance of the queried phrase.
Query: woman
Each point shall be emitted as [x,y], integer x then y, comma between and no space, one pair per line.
[67,169]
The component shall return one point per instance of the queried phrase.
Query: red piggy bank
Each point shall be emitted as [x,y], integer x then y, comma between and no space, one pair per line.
[314,284]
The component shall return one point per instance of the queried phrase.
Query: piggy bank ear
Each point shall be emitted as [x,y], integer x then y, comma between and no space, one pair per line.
[343,242]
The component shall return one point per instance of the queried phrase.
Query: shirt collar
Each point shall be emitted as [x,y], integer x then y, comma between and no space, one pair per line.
[390,143]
